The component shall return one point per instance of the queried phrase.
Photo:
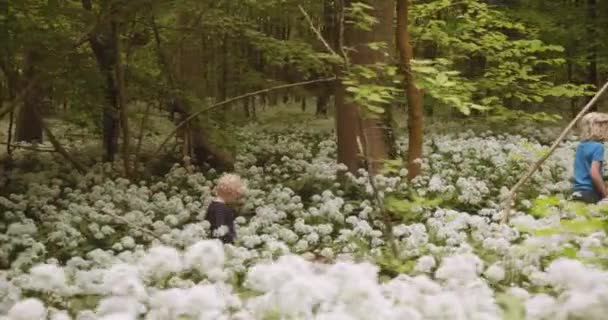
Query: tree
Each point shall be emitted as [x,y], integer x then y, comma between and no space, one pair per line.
[29,116]
[414,96]
[103,44]
[592,55]
[360,122]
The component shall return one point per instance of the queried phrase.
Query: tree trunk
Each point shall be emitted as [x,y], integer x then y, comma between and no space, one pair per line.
[414,96]
[119,76]
[377,129]
[347,130]
[28,125]
[570,72]
[105,54]
[592,55]
[322,102]
[246,108]
[253,107]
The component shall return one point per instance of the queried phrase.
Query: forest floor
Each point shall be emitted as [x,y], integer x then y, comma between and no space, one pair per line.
[310,245]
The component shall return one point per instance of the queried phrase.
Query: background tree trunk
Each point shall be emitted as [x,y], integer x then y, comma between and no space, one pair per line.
[414,96]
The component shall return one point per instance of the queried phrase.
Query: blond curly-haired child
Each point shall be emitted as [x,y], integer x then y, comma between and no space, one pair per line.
[589,184]
[229,189]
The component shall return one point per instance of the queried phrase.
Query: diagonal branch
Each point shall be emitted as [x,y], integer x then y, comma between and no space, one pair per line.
[60,149]
[318,32]
[231,100]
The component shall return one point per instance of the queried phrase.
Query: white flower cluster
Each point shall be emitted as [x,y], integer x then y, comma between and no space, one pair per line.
[99,247]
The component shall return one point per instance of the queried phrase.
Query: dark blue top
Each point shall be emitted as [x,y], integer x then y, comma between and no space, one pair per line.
[586,153]
[219,214]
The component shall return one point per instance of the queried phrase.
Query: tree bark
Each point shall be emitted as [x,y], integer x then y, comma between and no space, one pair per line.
[415,120]
[592,54]
[104,49]
[28,127]
[347,131]
[376,129]
[119,76]
[322,102]
[246,108]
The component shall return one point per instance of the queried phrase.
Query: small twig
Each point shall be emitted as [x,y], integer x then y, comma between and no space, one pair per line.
[513,192]
[388,232]
[231,100]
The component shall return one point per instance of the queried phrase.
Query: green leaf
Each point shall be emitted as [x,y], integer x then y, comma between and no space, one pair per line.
[513,308]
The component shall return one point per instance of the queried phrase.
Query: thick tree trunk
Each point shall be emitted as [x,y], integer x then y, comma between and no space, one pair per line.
[414,96]
[377,129]
[105,53]
[28,125]
[348,131]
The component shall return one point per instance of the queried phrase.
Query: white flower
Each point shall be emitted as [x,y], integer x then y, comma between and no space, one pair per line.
[425,264]
[495,273]
[205,256]
[28,309]
[161,261]
[47,277]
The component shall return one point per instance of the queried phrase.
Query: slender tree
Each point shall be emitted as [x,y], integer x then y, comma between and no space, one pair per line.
[414,96]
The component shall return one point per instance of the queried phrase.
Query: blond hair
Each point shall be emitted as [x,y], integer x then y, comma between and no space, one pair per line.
[594,126]
[230,185]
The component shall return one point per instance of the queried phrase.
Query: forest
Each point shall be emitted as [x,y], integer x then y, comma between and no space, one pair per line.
[311,159]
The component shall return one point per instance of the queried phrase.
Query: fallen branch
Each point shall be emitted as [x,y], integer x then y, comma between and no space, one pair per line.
[231,100]
[513,192]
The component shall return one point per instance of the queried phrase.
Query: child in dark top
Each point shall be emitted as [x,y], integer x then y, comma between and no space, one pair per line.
[589,184]
[221,217]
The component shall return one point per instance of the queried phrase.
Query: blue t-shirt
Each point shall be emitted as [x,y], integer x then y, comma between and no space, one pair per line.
[586,153]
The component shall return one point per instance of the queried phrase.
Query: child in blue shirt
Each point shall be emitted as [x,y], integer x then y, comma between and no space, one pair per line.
[589,184]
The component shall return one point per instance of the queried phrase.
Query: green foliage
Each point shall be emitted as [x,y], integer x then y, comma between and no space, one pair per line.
[487,61]
[407,208]
[512,307]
